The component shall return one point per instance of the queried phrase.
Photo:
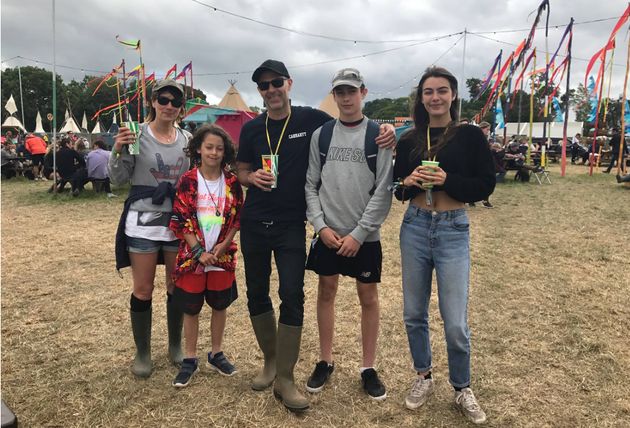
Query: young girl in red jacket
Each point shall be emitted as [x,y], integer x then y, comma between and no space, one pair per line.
[206,214]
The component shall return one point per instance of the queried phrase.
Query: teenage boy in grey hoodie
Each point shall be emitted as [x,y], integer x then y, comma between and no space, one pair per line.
[346,203]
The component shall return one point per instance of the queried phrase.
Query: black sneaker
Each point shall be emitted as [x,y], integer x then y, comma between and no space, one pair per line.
[221,364]
[487,204]
[372,385]
[471,204]
[188,369]
[320,376]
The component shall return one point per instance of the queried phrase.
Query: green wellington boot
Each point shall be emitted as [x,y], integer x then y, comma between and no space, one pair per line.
[265,330]
[174,321]
[287,352]
[141,328]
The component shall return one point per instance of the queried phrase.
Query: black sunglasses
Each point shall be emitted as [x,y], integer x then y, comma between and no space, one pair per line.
[175,102]
[277,83]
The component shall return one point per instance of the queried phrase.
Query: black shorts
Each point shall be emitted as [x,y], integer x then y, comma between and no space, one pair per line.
[37,160]
[365,267]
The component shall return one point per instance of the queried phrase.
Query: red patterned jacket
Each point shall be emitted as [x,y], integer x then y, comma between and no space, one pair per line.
[184,220]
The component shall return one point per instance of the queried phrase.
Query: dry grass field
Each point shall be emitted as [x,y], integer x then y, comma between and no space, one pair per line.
[549,313]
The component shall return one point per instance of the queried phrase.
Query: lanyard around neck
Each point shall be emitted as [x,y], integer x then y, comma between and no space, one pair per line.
[429,144]
[286,122]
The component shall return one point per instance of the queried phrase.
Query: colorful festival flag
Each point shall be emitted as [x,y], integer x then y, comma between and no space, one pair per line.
[499,119]
[558,108]
[172,70]
[134,44]
[182,73]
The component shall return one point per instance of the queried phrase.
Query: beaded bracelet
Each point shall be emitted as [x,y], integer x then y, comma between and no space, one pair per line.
[197,251]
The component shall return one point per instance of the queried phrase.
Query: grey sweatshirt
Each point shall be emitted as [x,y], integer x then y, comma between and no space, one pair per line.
[343,201]
[156,162]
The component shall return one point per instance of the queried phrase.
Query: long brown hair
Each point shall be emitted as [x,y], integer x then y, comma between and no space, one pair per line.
[421,116]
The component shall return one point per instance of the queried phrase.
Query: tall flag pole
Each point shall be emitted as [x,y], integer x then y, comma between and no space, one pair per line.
[143,98]
[601,90]
[546,90]
[623,113]
[563,164]
[54,99]
[531,108]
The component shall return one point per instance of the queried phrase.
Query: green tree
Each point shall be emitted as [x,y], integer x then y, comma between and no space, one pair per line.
[387,108]
[37,94]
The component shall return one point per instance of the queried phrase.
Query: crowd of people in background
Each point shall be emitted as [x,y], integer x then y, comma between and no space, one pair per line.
[73,162]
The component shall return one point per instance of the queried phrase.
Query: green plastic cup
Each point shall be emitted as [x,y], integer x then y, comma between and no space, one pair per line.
[134,149]
[433,164]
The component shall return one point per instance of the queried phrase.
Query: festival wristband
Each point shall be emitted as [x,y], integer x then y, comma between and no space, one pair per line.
[196,251]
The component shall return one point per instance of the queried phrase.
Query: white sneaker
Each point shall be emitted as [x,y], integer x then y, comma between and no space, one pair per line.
[467,403]
[111,195]
[421,390]
[43,178]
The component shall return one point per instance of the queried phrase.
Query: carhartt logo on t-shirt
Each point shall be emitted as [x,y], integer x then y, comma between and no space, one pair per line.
[298,135]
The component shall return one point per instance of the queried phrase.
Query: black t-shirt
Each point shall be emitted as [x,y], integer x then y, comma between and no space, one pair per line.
[466,158]
[285,203]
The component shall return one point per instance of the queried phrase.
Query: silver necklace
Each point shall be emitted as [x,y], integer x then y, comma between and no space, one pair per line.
[216,204]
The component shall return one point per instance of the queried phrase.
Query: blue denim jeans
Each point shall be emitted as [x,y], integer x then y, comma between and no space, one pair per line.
[437,240]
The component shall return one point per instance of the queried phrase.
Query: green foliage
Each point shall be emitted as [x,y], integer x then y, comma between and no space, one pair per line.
[37,94]
[75,96]
[387,108]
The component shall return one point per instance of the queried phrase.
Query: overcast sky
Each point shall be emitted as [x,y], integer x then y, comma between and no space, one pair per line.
[218,42]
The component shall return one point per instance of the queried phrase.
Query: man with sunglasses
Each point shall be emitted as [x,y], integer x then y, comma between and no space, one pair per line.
[273,220]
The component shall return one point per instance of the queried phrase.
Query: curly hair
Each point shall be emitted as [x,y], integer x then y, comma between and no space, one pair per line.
[194,145]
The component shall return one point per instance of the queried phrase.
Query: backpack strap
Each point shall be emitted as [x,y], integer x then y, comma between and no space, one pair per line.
[371,149]
[325,136]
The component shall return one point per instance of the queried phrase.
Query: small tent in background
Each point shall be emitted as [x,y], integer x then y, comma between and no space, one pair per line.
[70,125]
[12,122]
[329,106]
[84,124]
[233,100]
[39,128]
[97,127]
[113,129]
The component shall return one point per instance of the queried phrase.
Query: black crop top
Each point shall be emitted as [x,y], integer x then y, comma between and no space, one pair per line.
[466,158]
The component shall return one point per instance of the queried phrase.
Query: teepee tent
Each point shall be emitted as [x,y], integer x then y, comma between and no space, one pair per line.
[13,122]
[113,129]
[232,99]
[329,106]
[84,124]
[39,128]
[70,125]
[97,127]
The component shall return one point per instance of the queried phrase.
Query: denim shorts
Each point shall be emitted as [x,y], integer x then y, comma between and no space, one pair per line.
[142,245]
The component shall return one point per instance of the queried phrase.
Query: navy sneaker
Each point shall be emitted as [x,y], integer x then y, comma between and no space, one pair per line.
[320,376]
[372,385]
[221,364]
[188,369]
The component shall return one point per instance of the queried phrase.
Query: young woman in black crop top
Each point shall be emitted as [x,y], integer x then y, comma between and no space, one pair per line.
[434,232]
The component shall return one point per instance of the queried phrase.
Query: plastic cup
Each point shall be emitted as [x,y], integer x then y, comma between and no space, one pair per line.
[433,164]
[134,149]
[270,164]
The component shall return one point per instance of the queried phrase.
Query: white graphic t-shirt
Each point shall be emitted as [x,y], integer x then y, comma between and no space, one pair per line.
[210,202]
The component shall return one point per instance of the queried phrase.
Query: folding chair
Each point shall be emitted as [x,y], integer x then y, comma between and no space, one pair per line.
[542,175]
